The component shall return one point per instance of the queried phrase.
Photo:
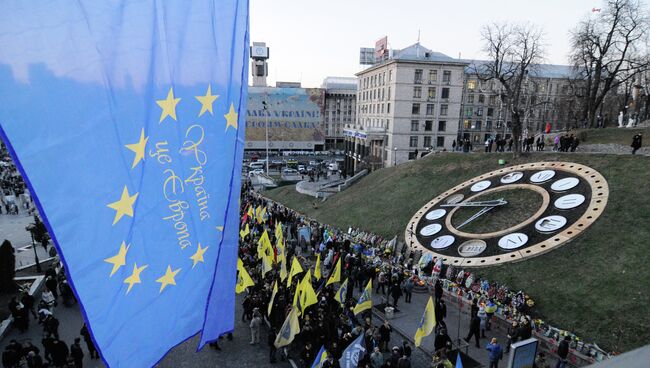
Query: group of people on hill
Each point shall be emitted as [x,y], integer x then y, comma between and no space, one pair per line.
[329,323]
[55,352]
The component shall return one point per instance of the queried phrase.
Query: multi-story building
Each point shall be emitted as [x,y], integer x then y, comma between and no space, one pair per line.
[340,108]
[407,104]
[548,101]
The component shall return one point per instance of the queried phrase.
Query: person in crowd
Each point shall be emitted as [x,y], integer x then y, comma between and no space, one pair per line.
[409,284]
[442,341]
[92,351]
[60,353]
[563,352]
[495,353]
[376,358]
[474,330]
[255,326]
[385,331]
[637,142]
[76,353]
[482,315]
[513,335]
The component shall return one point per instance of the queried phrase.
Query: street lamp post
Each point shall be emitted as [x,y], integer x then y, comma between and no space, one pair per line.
[31,228]
[266,127]
[394,156]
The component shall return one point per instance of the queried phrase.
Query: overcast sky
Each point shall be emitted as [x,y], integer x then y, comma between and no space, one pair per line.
[310,40]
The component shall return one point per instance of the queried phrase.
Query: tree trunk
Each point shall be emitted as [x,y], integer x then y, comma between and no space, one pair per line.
[516,133]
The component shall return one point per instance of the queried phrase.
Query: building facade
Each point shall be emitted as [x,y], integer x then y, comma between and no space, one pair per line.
[406,105]
[549,103]
[340,109]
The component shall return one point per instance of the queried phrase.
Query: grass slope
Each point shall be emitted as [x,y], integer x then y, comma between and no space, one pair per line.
[595,286]
[622,136]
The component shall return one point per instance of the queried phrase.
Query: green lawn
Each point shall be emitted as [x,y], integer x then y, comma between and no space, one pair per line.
[595,286]
[622,136]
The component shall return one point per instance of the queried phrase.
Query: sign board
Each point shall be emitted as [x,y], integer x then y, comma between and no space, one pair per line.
[381,49]
[366,56]
[294,117]
[523,353]
[259,52]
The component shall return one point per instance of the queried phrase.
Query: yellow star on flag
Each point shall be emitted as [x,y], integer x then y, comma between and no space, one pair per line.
[138,148]
[124,206]
[119,259]
[198,256]
[220,228]
[231,117]
[206,101]
[168,106]
[168,278]
[135,276]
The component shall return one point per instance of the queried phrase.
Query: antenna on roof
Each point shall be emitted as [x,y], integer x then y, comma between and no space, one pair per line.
[417,46]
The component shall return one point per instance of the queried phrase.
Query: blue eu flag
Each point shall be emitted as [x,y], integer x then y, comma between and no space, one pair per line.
[126,120]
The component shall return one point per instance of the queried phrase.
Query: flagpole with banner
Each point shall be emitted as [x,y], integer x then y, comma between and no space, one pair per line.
[126,120]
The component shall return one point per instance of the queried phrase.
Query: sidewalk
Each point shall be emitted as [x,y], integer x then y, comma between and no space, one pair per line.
[407,321]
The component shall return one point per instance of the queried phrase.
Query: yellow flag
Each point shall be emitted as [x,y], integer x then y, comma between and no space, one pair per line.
[267,264]
[299,290]
[250,211]
[427,323]
[290,328]
[283,267]
[307,293]
[243,233]
[275,291]
[263,243]
[244,280]
[342,292]
[296,268]
[278,231]
[261,216]
[365,300]
[317,274]
[336,275]
[280,246]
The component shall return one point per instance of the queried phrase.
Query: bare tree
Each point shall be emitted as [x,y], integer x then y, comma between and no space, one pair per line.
[606,52]
[513,51]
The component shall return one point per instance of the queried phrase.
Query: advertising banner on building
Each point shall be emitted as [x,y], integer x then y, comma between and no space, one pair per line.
[294,117]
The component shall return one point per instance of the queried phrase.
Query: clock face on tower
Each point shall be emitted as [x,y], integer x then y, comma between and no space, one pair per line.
[509,214]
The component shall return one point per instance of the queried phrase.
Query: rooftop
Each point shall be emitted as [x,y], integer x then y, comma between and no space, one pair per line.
[340,83]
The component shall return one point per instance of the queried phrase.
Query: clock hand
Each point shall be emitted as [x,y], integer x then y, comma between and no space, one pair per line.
[475,216]
[492,203]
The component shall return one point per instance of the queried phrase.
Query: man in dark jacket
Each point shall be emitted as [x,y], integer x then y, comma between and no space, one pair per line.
[474,330]
[442,341]
[563,352]
[89,342]
[636,142]
[60,353]
[76,353]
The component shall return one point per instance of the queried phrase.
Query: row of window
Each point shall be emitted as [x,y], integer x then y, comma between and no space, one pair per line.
[374,108]
[431,92]
[428,125]
[413,142]
[537,86]
[415,109]
[378,79]
[375,94]
[418,78]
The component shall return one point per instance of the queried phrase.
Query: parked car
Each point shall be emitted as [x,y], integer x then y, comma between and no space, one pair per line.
[301,169]
[255,172]
[290,172]
[256,165]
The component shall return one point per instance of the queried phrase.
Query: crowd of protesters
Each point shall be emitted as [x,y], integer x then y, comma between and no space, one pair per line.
[329,323]
[55,352]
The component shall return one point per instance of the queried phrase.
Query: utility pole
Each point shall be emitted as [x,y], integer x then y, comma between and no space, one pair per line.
[266,127]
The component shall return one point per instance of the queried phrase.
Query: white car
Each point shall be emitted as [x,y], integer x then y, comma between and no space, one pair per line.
[255,172]
[289,172]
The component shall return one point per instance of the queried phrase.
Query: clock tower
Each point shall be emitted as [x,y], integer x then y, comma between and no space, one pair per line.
[259,65]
